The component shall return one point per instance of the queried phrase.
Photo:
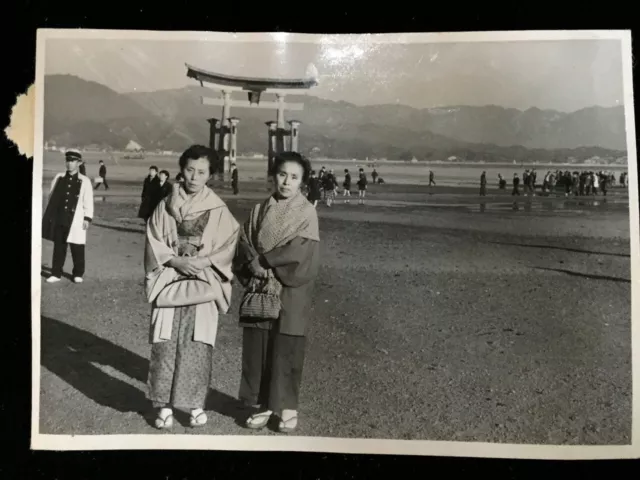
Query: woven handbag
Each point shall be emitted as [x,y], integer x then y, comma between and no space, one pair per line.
[261,299]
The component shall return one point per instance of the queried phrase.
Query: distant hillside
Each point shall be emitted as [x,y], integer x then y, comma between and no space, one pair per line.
[80,113]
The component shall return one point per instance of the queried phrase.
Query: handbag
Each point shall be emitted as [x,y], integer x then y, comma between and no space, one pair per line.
[184,292]
[261,299]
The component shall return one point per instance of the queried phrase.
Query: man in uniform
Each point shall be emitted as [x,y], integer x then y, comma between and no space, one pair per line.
[67,217]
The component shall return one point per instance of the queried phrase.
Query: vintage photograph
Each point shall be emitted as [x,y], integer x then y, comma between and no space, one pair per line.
[394,237]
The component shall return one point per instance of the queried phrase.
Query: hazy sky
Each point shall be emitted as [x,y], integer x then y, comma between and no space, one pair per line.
[561,75]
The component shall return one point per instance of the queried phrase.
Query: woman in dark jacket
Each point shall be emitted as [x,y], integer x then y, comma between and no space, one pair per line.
[279,246]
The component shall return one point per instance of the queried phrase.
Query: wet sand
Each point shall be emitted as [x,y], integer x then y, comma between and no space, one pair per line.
[433,318]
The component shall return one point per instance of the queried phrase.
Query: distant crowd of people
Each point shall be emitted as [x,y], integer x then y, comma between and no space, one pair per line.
[577,183]
[324,186]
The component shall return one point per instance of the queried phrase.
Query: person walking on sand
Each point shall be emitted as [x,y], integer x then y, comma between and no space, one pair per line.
[278,256]
[516,185]
[321,175]
[329,185]
[483,184]
[362,186]
[234,179]
[165,186]
[67,217]
[432,178]
[314,189]
[102,176]
[346,185]
[191,238]
[502,183]
[149,193]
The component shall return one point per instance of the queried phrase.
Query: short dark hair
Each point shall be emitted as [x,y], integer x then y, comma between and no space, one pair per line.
[153,167]
[166,172]
[284,157]
[196,152]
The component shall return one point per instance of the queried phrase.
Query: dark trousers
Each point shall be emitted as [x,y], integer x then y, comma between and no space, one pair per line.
[60,253]
[483,190]
[104,182]
[234,185]
[271,369]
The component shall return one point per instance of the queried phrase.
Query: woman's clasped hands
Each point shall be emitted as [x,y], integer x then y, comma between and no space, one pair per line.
[189,265]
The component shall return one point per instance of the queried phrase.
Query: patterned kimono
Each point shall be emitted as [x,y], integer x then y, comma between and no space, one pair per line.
[183,337]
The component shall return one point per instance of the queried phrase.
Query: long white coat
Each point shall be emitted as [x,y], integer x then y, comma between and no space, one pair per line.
[77,234]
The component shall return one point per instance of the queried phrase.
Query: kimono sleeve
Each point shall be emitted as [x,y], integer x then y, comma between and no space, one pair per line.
[244,255]
[295,263]
[157,252]
[221,259]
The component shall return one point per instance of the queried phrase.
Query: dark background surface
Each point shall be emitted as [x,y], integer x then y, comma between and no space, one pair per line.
[21,20]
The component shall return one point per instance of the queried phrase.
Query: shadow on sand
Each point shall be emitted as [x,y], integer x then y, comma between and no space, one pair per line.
[72,354]
[584,275]
[119,228]
[566,249]
[46,272]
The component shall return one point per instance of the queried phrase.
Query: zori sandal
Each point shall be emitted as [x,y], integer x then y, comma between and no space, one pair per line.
[199,420]
[289,425]
[258,420]
[163,423]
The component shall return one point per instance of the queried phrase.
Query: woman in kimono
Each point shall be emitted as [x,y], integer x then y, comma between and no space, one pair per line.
[190,233]
[280,242]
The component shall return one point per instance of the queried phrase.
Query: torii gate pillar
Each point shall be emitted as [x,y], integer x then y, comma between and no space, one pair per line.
[225,131]
[214,131]
[273,144]
[294,132]
[233,152]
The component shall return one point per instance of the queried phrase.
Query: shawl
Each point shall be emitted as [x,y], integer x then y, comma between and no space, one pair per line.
[219,240]
[275,222]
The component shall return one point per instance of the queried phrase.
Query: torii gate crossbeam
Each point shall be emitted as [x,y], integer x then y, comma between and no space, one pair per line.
[225,129]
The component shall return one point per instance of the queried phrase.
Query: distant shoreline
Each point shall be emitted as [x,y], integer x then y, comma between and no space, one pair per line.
[424,163]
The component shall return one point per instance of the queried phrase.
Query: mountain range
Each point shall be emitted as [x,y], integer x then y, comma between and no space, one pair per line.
[82,113]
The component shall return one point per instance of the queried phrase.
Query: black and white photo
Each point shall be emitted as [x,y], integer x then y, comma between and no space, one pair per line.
[225,291]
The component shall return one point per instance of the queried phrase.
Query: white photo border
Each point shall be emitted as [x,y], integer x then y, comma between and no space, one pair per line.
[325,444]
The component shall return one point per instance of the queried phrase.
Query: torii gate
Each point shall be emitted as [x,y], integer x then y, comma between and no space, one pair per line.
[225,130]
